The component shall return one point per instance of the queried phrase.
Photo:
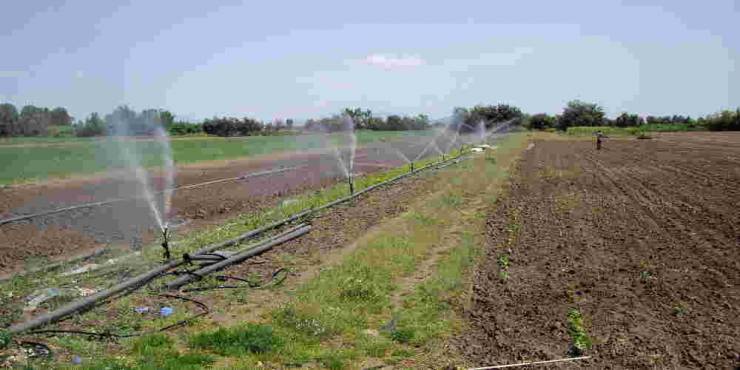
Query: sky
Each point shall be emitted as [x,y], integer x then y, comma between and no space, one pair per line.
[302,59]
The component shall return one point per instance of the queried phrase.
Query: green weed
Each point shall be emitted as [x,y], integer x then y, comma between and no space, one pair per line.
[679,310]
[249,338]
[503,265]
[579,338]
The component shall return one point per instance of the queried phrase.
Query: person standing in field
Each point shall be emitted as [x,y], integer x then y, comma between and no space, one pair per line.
[599,137]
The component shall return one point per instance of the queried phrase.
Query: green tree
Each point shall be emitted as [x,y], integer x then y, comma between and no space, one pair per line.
[578,113]
[92,126]
[541,121]
[628,120]
[60,117]
[494,114]
[360,118]
[8,119]
[33,121]
[167,118]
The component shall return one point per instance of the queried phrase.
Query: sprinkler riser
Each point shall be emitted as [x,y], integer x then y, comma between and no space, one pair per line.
[166,244]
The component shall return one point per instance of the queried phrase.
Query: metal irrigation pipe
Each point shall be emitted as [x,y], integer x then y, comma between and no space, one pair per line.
[248,252]
[90,301]
[115,200]
[133,283]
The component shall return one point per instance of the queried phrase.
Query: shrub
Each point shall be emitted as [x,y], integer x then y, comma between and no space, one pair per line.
[579,113]
[230,126]
[541,121]
[184,128]
[628,120]
[250,338]
[92,126]
[724,121]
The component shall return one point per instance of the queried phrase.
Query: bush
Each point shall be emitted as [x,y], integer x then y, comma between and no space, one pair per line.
[93,126]
[230,126]
[251,338]
[184,128]
[541,121]
[579,113]
[724,121]
[628,120]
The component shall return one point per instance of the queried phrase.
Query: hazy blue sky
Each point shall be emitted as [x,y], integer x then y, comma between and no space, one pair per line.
[302,59]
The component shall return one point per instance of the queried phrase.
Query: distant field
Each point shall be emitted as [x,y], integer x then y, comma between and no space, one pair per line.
[610,130]
[28,159]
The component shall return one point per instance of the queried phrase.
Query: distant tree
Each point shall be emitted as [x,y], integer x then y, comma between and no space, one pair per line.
[628,120]
[492,115]
[289,123]
[541,121]
[279,124]
[360,118]
[230,126]
[184,128]
[579,113]
[60,117]
[92,126]
[8,119]
[122,121]
[167,118]
[726,120]
[460,117]
[33,121]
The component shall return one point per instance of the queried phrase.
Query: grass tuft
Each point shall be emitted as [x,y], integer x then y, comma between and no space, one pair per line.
[250,338]
[579,338]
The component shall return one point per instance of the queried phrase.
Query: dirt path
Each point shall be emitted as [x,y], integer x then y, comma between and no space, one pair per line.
[641,238]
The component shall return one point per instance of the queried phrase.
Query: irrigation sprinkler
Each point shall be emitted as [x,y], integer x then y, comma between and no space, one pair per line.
[412,166]
[166,243]
[351,184]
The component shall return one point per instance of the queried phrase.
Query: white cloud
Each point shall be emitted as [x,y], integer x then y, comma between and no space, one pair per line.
[390,61]
[505,59]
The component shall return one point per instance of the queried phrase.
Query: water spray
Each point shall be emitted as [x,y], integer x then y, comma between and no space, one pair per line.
[166,243]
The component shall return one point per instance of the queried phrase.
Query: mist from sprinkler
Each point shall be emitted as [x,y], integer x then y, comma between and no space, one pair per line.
[123,130]
[348,142]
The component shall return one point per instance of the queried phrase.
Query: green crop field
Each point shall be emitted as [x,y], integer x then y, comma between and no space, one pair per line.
[29,159]
[616,131]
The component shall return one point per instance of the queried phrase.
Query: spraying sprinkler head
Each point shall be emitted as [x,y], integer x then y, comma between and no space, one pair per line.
[351,184]
[166,242]
[412,167]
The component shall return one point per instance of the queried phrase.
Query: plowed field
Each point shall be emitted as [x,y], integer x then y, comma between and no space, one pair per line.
[642,238]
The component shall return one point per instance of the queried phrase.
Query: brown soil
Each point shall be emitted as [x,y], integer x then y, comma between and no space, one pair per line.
[642,238]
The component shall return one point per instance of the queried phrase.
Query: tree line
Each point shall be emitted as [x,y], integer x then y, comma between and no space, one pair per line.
[31,120]
[41,121]
[579,113]
[363,119]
